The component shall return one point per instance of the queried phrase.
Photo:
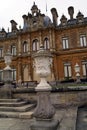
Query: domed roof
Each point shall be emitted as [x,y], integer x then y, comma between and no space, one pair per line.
[47,21]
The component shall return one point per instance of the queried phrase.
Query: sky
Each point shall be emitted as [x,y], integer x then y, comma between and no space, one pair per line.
[15,9]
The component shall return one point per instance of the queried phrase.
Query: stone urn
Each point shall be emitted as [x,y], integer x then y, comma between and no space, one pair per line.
[44,111]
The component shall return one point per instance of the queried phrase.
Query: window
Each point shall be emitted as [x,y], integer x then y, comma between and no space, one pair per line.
[83,40]
[1,75]
[13,50]
[35,45]
[46,43]
[67,70]
[65,43]
[13,74]
[25,47]
[1,52]
[84,68]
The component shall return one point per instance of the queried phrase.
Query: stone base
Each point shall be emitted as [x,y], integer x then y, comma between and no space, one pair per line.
[6,91]
[44,125]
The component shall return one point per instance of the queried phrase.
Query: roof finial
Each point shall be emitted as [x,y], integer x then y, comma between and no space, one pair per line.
[34,2]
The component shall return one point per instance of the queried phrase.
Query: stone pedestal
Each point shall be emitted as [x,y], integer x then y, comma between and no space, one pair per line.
[6,91]
[44,109]
[44,113]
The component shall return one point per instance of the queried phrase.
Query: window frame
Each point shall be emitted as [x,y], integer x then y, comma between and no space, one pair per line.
[1,75]
[84,68]
[35,45]
[83,40]
[13,50]
[25,47]
[65,42]
[1,52]
[46,44]
[14,72]
[67,70]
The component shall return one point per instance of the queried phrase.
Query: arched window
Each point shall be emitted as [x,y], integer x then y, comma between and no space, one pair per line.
[13,50]
[25,47]
[46,43]
[35,45]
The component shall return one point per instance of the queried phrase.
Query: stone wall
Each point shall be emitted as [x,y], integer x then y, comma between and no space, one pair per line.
[58,98]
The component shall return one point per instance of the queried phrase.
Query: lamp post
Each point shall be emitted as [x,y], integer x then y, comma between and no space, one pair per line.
[77,71]
[44,111]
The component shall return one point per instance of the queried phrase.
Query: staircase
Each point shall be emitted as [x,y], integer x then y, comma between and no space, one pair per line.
[16,108]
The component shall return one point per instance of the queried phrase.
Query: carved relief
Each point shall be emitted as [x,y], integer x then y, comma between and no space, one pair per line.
[40,68]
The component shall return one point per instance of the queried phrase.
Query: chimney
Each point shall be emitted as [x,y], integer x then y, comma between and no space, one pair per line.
[25,19]
[13,26]
[54,16]
[71,12]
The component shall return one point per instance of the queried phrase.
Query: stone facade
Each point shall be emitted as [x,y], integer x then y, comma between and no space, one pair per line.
[67,41]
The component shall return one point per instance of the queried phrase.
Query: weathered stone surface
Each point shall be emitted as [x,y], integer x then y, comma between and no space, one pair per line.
[82,119]
[59,99]
[6,91]
[44,109]
[44,125]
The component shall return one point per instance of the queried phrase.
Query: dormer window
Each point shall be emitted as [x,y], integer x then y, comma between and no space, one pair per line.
[63,20]
[35,14]
[34,9]
[80,17]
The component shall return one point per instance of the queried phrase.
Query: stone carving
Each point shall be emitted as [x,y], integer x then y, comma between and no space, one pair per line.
[40,68]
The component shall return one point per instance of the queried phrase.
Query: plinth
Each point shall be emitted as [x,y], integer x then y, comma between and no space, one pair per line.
[44,125]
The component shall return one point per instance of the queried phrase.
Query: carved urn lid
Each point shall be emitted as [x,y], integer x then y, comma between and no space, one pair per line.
[42,53]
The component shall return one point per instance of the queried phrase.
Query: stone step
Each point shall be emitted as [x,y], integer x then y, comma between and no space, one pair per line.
[14,104]
[10,100]
[16,108]
[25,115]
[23,108]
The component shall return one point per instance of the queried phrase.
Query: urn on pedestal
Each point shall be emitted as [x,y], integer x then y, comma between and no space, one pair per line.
[6,90]
[44,111]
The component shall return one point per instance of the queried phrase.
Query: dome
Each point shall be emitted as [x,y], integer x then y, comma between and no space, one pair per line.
[47,21]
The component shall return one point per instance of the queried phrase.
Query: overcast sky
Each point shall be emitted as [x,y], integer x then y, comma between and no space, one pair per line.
[14,9]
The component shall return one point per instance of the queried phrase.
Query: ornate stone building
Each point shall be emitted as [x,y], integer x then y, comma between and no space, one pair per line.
[66,40]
